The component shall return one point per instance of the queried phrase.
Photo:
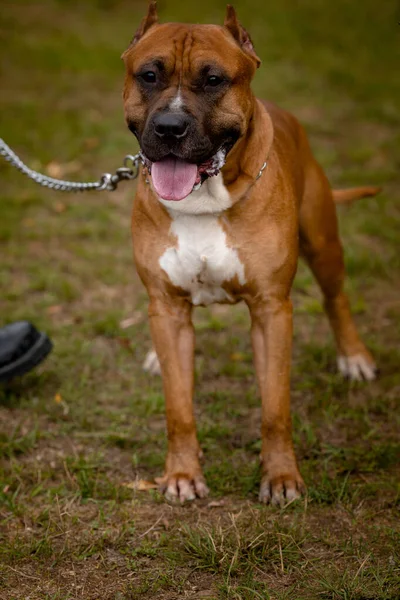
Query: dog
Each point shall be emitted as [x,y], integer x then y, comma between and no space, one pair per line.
[230,196]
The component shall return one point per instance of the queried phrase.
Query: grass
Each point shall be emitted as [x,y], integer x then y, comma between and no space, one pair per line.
[89,421]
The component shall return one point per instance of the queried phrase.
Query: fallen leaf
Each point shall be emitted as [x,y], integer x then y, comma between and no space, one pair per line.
[133,320]
[141,485]
[216,504]
[58,399]
[57,170]
[54,169]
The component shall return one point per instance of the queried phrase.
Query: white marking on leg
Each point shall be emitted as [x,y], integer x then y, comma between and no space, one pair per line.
[356,367]
[151,363]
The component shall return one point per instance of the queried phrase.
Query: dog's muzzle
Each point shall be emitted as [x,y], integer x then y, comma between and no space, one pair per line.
[179,155]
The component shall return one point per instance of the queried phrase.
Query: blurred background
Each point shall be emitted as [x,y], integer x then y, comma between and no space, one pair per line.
[66,264]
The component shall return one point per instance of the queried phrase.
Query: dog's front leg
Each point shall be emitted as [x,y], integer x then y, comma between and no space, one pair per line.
[272,344]
[173,337]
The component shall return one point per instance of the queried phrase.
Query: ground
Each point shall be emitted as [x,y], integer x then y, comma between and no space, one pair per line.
[81,434]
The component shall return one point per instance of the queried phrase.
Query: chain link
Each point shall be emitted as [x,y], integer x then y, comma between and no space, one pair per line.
[107,181]
[261,170]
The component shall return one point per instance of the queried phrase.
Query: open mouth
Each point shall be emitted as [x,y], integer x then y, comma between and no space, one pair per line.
[174,178]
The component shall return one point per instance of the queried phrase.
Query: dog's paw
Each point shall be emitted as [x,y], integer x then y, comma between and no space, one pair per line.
[358,367]
[182,488]
[281,481]
[151,363]
[281,490]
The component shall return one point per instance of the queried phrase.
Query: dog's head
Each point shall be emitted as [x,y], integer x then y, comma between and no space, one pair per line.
[187,97]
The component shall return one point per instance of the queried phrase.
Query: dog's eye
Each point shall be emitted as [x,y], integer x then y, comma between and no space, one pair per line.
[149,77]
[214,80]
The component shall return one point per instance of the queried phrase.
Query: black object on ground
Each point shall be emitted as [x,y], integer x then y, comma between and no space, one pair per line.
[22,347]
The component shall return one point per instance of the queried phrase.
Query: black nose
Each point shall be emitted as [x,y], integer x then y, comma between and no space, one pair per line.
[171,124]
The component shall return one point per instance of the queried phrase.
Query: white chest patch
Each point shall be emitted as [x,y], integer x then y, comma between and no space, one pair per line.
[202,260]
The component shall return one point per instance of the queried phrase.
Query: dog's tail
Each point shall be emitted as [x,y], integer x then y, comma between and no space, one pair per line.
[350,194]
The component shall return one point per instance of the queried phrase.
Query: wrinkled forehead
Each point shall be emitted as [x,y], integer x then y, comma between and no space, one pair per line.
[187,49]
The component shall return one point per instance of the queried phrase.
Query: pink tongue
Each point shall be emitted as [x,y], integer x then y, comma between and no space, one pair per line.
[173,178]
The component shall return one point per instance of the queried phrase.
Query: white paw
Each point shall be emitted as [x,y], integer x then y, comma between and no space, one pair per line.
[152,364]
[357,367]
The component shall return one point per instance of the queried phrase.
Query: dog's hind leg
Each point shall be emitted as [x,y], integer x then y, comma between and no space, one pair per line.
[321,247]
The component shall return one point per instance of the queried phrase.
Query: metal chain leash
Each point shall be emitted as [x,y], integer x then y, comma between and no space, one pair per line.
[107,181]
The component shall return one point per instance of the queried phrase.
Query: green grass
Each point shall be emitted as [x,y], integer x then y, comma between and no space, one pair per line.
[89,420]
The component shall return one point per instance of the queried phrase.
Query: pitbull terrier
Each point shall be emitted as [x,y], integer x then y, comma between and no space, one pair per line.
[230,196]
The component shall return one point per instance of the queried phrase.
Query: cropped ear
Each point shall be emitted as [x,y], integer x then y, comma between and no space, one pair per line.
[240,34]
[148,21]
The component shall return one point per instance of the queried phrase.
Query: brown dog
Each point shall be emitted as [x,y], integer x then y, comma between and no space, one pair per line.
[213,223]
